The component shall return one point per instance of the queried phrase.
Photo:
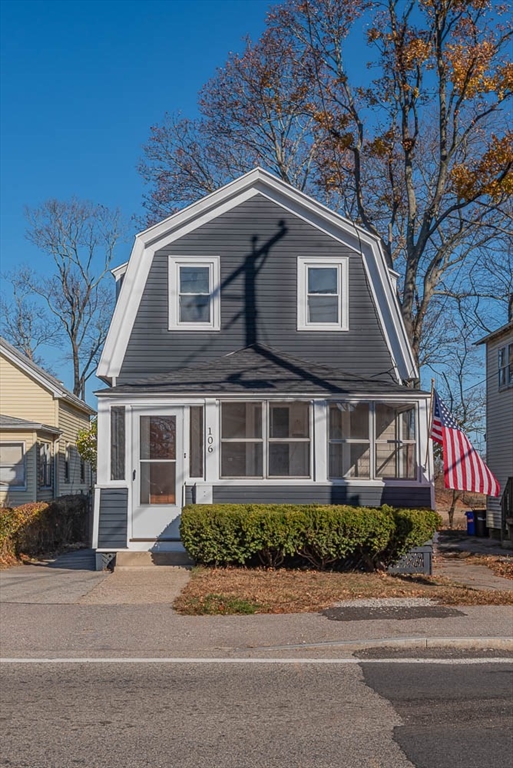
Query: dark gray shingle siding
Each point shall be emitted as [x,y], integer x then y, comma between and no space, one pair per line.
[112,530]
[263,309]
[320,494]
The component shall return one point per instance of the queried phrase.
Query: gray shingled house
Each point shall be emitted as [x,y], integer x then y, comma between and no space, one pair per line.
[256,353]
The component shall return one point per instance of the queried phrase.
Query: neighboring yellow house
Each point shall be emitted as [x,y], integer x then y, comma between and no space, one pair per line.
[39,423]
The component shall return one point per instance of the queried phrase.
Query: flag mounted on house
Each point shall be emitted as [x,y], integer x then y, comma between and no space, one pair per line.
[464,469]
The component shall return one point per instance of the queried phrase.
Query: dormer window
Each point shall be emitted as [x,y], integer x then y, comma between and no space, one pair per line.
[322,294]
[194,300]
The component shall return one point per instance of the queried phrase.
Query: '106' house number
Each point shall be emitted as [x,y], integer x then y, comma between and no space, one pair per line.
[210,440]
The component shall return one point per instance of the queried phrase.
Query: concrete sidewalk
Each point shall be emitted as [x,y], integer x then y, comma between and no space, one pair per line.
[156,630]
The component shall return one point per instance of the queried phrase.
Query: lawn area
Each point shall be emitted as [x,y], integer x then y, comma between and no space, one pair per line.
[241,590]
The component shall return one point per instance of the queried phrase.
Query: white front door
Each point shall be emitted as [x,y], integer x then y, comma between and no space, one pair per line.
[157,473]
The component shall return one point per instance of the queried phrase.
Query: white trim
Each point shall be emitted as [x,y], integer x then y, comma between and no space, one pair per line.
[342,265]
[174,264]
[118,272]
[210,207]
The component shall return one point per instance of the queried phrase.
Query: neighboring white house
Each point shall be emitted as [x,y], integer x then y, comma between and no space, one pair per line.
[499,428]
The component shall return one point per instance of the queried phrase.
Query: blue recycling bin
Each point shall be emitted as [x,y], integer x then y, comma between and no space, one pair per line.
[471,523]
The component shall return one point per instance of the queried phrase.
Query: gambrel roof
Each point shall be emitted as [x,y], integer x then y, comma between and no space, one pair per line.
[382,280]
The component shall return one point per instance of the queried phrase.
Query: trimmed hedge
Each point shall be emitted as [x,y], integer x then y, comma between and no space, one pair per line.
[337,537]
[42,528]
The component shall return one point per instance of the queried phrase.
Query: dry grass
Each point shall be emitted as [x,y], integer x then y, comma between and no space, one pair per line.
[285,591]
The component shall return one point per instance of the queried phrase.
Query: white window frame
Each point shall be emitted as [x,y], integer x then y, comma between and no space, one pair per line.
[265,440]
[8,486]
[45,456]
[504,366]
[342,265]
[352,440]
[212,262]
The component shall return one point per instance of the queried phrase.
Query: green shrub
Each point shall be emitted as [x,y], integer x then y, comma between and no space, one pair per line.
[321,536]
[43,528]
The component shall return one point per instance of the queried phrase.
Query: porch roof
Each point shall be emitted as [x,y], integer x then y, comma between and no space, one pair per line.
[13,423]
[261,370]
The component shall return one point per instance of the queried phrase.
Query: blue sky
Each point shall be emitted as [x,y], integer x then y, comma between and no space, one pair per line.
[83,81]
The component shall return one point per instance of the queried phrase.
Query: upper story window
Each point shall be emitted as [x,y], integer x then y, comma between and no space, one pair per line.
[194,293]
[12,465]
[323,294]
[506,366]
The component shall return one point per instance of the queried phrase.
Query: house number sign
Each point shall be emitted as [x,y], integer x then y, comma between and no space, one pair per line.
[210,441]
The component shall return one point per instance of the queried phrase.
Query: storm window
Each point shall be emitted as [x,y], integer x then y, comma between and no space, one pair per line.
[323,294]
[194,301]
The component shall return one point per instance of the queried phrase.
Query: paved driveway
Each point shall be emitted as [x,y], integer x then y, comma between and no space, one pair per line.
[64,580]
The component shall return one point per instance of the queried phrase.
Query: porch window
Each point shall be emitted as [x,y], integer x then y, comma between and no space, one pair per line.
[117,442]
[196,441]
[265,440]
[12,465]
[241,440]
[45,466]
[323,294]
[349,441]
[395,449]
[194,302]
[289,440]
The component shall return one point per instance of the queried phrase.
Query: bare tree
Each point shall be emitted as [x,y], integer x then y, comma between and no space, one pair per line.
[421,155]
[80,239]
[256,110]
[24,322]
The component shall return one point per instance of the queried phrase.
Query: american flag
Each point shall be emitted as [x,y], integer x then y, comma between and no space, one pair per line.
[464,469]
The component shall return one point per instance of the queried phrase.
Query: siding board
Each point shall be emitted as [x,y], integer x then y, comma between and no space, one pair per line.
[258,244]
[113,520]
[395,495]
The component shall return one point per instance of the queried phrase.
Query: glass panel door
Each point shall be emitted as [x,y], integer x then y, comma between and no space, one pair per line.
[157,474]
[158,460]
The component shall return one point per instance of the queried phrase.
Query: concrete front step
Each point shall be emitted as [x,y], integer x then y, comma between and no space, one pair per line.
[148,559]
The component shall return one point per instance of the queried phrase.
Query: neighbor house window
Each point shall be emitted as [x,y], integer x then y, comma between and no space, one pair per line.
[82,471]
[45,465]
[349,440]
[506,366]
[323,294]
[265,440]
[67,463]
[395,448]
[117,442]
[194,300]
[12,465]
[196,441]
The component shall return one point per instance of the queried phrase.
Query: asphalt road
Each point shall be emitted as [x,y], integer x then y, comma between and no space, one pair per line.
[368,715]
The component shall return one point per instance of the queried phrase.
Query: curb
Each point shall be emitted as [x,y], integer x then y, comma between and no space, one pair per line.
[407,643]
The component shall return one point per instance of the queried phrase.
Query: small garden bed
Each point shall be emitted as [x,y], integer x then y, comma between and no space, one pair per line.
[246,591]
